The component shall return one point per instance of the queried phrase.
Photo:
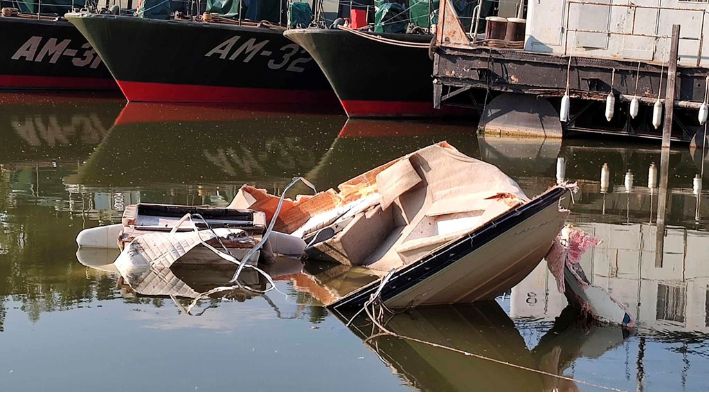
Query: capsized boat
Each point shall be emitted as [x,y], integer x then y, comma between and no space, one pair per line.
[216,57]
[432,227]
[40,50]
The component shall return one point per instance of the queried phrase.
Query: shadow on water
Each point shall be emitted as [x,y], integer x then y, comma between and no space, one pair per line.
[75,164]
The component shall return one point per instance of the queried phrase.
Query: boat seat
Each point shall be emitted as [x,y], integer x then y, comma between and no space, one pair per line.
[360,238]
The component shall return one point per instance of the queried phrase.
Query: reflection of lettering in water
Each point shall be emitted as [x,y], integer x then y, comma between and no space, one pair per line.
[286,153]
[40,130]
[232,164]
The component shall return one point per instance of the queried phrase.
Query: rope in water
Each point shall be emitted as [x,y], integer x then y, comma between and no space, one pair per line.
[375,299]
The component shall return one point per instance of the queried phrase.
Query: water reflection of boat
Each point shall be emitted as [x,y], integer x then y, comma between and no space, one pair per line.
[40,127]
[662,283]
[485,330]
[362,143]
[481,328]
[519,158]
[149,142]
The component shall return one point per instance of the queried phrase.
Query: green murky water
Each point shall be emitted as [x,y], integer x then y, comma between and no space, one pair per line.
[68,163]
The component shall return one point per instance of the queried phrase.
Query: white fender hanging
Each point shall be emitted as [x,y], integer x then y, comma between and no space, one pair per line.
[657,114]
[703,112]
[610,106]
[610,100]
[634,107]
[565,100]
[565,107]
[657,109]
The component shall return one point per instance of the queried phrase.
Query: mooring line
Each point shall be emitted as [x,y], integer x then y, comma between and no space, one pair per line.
[385,40]
[375,299]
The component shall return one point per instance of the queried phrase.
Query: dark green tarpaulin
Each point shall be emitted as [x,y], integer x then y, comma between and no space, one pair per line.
[419,12]
[255,10]
[299,15]
[227,8]
[154,9]
[390,17]
[59,7]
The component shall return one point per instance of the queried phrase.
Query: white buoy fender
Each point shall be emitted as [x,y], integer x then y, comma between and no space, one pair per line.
[657,114]
[634,107]
[610,106]
[703,113]
[105,237]
[565,107]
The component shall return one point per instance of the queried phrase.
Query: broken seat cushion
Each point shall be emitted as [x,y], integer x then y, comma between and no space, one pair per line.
[396,180]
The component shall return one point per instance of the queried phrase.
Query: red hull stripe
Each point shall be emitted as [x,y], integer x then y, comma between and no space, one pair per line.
[190,93]
[19,82]
[359,108]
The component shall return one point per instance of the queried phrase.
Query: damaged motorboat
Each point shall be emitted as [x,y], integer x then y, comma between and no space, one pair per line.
[432,227]
[154,237]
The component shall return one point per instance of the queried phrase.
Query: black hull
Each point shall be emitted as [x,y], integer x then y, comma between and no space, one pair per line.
[372,78]
[185,61]
[44,54]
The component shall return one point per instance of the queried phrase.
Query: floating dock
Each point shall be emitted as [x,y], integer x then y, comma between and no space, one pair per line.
[583,49]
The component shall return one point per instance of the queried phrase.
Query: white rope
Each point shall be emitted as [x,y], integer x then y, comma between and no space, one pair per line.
[271,225]
[384,40]
[241,264]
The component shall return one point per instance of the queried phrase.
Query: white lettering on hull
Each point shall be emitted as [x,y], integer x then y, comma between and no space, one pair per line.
[51,50]
[246,52]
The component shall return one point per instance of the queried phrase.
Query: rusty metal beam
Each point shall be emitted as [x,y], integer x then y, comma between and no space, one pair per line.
[542,74]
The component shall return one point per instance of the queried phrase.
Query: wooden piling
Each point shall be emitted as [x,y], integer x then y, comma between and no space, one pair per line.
[670,91]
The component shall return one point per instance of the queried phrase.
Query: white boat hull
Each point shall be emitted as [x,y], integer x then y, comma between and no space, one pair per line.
[495,267]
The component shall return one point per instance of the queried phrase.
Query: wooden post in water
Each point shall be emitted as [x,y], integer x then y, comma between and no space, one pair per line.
[670,91]
[662,197]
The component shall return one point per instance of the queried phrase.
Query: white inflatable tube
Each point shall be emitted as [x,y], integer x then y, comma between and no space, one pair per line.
[105,237]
